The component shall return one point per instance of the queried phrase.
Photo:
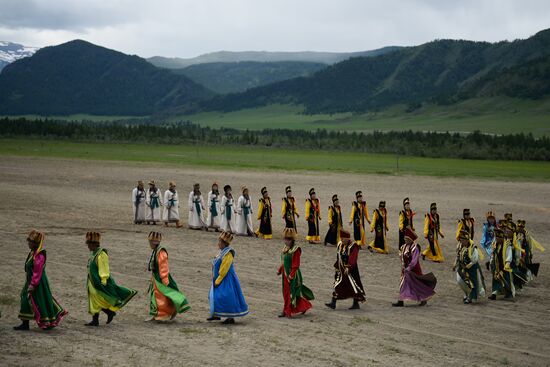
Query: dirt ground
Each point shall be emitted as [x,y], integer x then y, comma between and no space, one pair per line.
[65,198]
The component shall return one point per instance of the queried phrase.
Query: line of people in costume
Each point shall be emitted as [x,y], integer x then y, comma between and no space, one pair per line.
[105,295]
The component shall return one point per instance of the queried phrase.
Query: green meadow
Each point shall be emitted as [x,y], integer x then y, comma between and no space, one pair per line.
[489,115]
[256,158]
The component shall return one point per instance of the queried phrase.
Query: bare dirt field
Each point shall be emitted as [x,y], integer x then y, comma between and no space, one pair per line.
[65,198]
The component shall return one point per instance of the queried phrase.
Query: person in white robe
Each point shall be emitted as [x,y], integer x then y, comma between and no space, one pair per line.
[153,201]
[228,211]
[196,209]
[138,203]
[171,206]
[244,215]
[214,209]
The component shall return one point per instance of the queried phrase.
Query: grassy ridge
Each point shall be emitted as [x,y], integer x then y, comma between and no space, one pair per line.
[490,115]
[277,159]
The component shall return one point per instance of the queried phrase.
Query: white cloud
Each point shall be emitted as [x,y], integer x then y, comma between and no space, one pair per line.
[187,28]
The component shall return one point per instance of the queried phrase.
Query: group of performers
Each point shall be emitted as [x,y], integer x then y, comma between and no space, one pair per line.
[507,244]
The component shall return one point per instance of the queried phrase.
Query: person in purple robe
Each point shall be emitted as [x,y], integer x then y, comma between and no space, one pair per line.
[414,285]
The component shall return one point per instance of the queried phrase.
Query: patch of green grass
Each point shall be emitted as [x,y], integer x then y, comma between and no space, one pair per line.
[499,115]
[263,158]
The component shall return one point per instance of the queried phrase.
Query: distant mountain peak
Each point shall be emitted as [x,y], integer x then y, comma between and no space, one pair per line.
[10,52]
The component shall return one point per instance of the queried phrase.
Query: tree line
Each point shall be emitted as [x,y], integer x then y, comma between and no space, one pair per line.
[474,145]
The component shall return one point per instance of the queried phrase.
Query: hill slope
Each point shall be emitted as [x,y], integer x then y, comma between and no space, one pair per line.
[438,71]
[264,56]
[78,77]
[228,77]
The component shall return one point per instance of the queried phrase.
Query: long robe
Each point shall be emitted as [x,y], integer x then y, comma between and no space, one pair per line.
[165,298]
[467,225]
[244,216]
[153,202]
[379,225]
[171,207]
[103,292]
[289,212]
[405,221]
[265,212]
[414,285]
[214,210]
[313,214]
[334,219]
[228,215]
[39,305]
[501,259]
[359,212]
[295,294]
[347,280]
[196,211]
[226,296]
[487,238]
[138,204]
[432,231]
[469,276]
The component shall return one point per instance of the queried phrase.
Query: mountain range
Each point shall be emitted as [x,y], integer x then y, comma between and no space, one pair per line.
[79,77]
[10,52]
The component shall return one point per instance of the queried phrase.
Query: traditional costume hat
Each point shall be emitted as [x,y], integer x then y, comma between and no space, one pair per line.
[466,212]
[382,204]
[344,234]
[243,189]
[334,198]
[358,193]
[263,190]
[311,191]
[172,184]
[288,189]
[433,206]
[214,184]
[490,214]
[140,182]
[93,237]
[226,237]
[410,234]
[155,236]
[406,201]
[508,216]
[35,236]
[226,188]
[152,183]
[289,233]
[521,223]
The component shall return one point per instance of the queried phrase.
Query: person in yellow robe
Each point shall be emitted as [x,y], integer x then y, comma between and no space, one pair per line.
[405,221]
[313,216]
[359,213]
[379,226]
[335,225]
[289,211]
[432,232]
[465,224]
[265,212]
[104,294]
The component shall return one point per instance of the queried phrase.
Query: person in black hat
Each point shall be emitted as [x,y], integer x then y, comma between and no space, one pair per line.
[313,216]
[465,224]
[289,211]
[405,221]
[359,213]
[432,232]
[379,226]
[347,280]
[264,215]
[334,222]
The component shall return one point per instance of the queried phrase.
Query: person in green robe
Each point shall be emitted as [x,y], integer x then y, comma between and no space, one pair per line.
[104,294]
[37,302]
[166,300]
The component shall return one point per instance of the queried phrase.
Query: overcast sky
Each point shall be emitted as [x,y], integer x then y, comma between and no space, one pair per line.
[188,28]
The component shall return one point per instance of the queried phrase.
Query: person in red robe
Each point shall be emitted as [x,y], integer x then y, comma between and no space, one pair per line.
[295,294]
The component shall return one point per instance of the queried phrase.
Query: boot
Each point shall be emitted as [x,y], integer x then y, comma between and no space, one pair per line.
[493,297]
[229,321]
[423,303]
[23,327]
[213,318]
[355,305]
[398,304]
[110,315]
[95,321]
[282,314]
[332,303]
